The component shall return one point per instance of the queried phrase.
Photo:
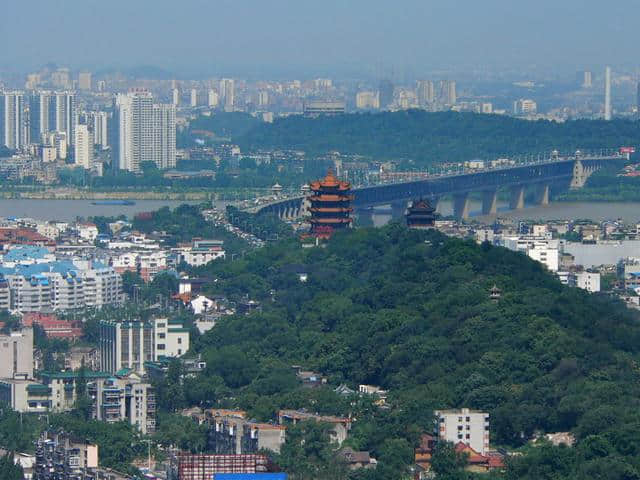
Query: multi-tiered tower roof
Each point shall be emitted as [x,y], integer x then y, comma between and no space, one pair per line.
[329,205]
[421,214]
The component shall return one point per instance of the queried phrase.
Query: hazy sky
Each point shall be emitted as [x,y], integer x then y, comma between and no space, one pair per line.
[270,36]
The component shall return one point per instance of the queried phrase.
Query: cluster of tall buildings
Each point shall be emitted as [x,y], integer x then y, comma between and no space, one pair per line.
[31,118]
[224,96]
[48,124]
[429,94]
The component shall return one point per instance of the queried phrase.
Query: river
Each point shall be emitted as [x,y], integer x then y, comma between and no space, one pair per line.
[66,210]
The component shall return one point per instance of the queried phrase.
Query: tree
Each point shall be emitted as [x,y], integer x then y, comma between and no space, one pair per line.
[9,470]
[308,453]
[448,464]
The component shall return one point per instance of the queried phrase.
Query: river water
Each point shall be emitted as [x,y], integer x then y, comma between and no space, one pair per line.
[65,210]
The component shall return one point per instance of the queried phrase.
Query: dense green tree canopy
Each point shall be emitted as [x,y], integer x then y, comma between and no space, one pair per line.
[428,138]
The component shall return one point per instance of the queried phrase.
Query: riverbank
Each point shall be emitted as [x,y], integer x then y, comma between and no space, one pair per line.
[78,194]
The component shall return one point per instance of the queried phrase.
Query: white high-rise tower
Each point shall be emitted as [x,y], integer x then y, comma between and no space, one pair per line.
[607,93]
[13,126]
[146,132]
[83,147]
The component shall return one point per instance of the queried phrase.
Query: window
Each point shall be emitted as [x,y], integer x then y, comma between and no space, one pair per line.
[459,427]
[459,419]
[179,340]
[162,335]
[468,419]
[459,436]
[161,346]
[468,427]
[161,325]
[467,436]
[179,351]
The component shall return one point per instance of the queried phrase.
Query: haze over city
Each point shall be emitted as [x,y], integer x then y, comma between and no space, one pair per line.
[319,240]
[283,37]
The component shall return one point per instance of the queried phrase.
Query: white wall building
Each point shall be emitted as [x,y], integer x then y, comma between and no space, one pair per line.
[83,147]
[147,132]
[470,427]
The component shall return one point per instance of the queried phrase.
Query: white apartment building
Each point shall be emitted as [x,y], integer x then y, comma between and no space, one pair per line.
[83,147]
[525,107]
[101,129]
[131,344]
[546,254]
[589,281]
[171,339]
[201,252]
[542,248]
[65,115]
[13,133]
[470,427]
[368,100]
[146,132]
[212,98]
[16,352]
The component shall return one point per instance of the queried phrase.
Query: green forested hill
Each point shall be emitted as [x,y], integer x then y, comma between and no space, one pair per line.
[410,311]
[433,137]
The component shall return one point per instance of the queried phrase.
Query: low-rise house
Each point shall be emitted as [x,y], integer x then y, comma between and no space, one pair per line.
[230,432]
[53,326]
[309,379]
[355,460]
[87,231]
[375,391]
[340,425]
[478,463]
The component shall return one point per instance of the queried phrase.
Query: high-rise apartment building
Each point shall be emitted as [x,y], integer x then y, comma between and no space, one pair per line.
[65,114]
[42,115]
[425,92]
[587,81]
[193,98]
[146,132]
[175,97]
[227,92]
[607,93]
[83,147]
[367,100]
[525,106]
[61,78]
[16,352]
[212,98]
[12,124]
[131,344]
[164,136]
[263,98]
[84,80]
[101,129]
[451,95]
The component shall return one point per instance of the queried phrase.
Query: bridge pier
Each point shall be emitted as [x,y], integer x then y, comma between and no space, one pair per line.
[543,194]
[398,209]
[461,206]
[517,198]
[364,217]
[489,202]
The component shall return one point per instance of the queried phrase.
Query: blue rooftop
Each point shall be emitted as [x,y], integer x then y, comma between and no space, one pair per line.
[25,252]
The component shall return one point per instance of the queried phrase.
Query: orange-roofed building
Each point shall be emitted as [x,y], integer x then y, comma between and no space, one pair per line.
[329,205]
[53,326]
[477,462]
